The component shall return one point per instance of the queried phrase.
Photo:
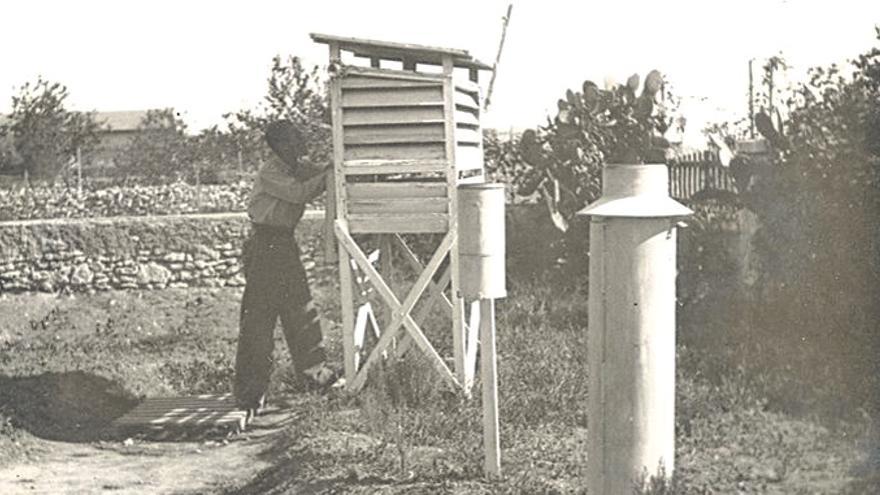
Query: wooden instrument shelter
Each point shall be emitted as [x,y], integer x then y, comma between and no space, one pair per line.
[406,134]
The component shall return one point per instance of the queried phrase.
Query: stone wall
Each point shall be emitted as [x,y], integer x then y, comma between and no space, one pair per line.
[200,250]
[204,250]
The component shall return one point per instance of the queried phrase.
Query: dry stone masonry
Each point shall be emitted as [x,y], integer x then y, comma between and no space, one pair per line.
[84,255]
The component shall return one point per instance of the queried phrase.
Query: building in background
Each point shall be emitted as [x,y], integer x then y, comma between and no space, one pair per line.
[117,131]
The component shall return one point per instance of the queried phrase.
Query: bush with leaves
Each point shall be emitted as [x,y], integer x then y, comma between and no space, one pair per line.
[504,163]
[42,136]
[818,205]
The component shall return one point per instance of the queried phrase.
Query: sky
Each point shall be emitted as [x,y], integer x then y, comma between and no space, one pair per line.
[205,58]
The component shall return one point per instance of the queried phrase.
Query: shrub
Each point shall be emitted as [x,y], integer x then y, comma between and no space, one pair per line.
[818,204]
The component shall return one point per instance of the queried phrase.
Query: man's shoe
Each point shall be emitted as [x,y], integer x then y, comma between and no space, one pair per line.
[253,410]
[321,377]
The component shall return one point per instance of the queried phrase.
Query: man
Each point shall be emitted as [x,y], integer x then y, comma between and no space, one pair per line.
[276,283]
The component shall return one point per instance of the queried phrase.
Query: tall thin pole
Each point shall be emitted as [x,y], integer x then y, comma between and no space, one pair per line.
[770,70]
[506,21]
[751,99]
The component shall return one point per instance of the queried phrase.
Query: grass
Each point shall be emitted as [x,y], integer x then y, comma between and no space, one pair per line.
[406,432]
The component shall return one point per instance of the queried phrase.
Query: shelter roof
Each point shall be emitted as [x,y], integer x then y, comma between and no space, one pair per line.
[389,50]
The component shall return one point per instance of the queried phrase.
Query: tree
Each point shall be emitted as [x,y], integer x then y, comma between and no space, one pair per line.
[43,133]
[216,152]
[10,160]
[294,93]
[160,150]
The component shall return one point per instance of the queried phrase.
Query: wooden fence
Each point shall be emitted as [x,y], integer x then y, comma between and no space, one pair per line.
[698,171]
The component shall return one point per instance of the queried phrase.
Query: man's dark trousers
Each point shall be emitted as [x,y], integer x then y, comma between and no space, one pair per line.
[276,287]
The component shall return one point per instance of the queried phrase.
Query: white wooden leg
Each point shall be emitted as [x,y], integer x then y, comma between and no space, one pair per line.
[347,296]
[489,377]
[472,332]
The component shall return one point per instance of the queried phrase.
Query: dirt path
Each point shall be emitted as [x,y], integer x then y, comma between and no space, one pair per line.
[143,467]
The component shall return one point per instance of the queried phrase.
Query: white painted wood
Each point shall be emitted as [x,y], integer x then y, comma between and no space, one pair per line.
[458,324]
[345,282]
[394,190]
[473,337]
[331,185]
[427,223]
[467,87]
[354,82]
[467,117]
[347,309]
[432,151]
[373,167]
[409,54]
[410,257]
[392,124]
[365,316]
[391,104]
[398,206]
[435,293]
[395,134]
[436,290]
[392,74]
[386,261]
[360,278]
[365,44]
[468,157]
[489,378]
[399,96]
[398,309]
[359,334]
[466,101]
[401,115]
[360,325]
[467,135]
[479,178]
[401,138]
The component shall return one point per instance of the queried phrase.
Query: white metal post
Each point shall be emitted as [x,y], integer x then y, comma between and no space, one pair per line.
[631,334]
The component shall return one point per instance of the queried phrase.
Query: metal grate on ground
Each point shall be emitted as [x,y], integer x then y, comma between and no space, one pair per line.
[199,412]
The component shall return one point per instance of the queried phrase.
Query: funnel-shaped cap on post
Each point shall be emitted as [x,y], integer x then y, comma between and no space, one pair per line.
[638,191]
[481,241]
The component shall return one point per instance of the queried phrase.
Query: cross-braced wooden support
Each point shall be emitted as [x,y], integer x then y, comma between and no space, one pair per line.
[401,311]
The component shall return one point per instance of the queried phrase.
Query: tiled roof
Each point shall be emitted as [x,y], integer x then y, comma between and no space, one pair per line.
[121,121]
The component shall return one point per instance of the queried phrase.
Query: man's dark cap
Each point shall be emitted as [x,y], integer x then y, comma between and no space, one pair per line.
[286,140]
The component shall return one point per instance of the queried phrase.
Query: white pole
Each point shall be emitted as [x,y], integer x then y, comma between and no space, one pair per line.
[631,336]
[489,376]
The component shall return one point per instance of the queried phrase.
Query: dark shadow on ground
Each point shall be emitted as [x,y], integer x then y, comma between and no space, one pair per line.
[70,407]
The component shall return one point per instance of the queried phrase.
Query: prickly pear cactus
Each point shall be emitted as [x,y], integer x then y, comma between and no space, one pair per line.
[622,124]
